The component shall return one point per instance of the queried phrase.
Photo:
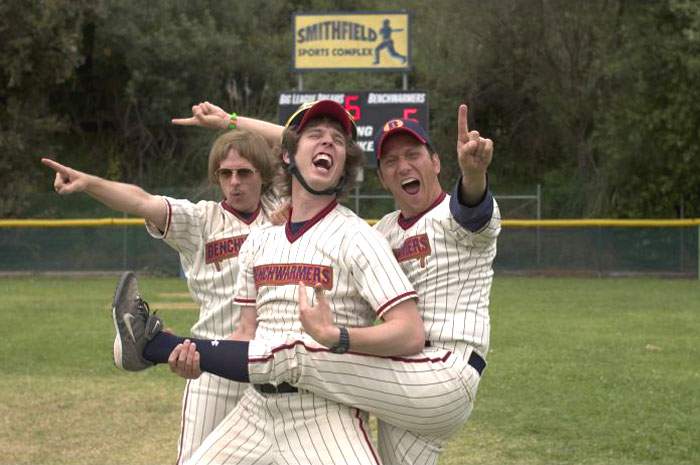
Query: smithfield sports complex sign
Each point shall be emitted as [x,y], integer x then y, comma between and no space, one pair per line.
[352,41]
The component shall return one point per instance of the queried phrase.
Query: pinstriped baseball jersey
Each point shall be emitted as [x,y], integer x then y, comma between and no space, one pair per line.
[423,399]
[353,263]
[337,250]
[450,268]
[208,236]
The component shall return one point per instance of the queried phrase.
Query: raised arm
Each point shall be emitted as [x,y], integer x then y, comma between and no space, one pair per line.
[118,196]
[208,115]
[474,155]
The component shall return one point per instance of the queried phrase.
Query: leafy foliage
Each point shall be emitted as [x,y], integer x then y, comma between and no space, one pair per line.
[594,100]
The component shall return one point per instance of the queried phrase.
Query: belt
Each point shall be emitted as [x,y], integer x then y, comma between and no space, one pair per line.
[283,388]
[476,361]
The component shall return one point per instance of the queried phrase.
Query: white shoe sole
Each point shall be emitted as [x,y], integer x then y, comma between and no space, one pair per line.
[117,349]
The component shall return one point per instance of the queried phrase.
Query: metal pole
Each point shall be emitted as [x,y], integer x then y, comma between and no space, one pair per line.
[539,217]
[359,180]
[300,82]
[699,252]
[405,81]
[124,247]
[682,240]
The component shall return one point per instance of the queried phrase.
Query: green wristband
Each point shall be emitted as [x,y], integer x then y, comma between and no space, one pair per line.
[232,121]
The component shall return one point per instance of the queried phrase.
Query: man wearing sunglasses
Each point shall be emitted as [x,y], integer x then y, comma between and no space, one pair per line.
[208,236]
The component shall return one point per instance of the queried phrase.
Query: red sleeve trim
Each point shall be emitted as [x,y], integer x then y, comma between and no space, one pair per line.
[168,219]
[396,300]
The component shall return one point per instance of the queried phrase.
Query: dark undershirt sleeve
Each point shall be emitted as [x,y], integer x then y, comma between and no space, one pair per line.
[475,217]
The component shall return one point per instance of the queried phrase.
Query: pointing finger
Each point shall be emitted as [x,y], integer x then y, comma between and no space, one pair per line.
[183,121]
[54,165]
[462,124]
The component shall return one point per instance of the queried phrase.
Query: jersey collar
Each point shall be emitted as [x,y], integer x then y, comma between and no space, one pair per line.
[291,237]
[239,215]
[406,223]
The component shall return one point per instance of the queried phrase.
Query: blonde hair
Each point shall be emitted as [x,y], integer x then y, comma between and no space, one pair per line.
[253,147]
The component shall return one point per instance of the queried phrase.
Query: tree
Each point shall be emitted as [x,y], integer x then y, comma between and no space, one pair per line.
[650,127]
[39,51]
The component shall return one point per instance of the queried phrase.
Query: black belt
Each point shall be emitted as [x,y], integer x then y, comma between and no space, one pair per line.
[283,388]
[475,360]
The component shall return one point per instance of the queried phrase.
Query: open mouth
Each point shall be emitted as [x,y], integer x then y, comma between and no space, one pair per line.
[410,186]
[323,161]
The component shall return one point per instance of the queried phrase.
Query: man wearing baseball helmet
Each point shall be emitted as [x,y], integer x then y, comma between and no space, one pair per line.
[355,280]
[446,245]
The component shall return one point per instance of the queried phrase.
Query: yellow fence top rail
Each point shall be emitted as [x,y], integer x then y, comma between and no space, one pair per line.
[73,223]
[631,223]
[628,223]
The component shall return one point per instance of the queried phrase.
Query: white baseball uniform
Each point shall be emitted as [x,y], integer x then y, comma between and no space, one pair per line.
[420,400]
[208,236]
[355,266]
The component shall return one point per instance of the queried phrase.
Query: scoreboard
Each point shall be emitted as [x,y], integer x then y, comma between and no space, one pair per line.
[370,109]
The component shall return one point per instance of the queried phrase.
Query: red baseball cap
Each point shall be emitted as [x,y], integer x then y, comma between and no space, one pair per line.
[310,110]
[396,126]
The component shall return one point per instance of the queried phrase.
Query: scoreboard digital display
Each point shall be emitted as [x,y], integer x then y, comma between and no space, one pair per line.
[371,109]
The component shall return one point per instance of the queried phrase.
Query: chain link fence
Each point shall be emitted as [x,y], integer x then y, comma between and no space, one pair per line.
[602,248]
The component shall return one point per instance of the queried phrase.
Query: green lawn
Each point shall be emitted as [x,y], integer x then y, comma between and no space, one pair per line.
[581,371]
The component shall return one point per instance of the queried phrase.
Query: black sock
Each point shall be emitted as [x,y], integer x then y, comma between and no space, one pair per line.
[223,357]
[158,349]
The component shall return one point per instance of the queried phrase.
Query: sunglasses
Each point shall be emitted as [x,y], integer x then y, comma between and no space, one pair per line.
[242,173]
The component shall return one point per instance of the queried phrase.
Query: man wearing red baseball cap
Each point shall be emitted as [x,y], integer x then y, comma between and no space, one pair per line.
[446,245]
[355,280]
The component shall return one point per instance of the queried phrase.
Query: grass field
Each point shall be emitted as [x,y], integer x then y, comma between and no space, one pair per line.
[581,371]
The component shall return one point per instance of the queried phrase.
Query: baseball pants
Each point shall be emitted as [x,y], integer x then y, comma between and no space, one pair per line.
[288,429]
[205,403]
[430,394]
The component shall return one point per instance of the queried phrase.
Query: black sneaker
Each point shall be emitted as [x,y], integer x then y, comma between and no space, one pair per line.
[134,324]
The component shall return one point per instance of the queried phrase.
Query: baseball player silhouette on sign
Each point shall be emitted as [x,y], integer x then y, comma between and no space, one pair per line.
[388,43]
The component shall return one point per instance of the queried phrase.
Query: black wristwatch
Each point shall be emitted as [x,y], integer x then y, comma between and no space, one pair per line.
[343,343]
